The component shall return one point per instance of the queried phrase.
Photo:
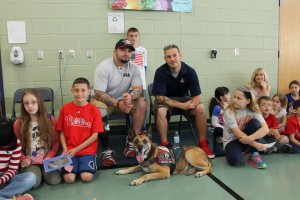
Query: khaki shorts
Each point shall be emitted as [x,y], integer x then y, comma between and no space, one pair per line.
[171,110]
[111,109]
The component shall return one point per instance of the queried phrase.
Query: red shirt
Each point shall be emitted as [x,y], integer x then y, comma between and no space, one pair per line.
[293,127]
[78,124]
[272,121]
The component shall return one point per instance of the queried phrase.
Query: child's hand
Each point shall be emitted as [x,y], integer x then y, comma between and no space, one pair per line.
[260,147]
[46,158]
[25,162]
[64,151]
[72,152]
[271,132]
[245,139]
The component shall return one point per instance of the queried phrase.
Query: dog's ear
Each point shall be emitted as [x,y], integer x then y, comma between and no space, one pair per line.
[131,133]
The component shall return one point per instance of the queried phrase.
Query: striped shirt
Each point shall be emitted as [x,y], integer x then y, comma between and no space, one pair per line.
[9,162]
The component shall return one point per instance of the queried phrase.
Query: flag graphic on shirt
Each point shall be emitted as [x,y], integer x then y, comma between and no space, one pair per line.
[68,168]
[37,158]
[137,58]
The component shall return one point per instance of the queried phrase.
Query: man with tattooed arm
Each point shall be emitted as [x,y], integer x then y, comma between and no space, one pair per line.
[176,87]
[112,80]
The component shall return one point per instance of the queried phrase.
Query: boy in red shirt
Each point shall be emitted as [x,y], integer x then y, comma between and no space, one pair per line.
[292,127]
[78,125]
[282,142]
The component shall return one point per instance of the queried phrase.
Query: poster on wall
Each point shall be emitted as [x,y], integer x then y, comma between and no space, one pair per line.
[115,22]
[166,5]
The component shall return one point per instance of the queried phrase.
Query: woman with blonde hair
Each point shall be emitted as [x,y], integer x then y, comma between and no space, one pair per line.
[259,84]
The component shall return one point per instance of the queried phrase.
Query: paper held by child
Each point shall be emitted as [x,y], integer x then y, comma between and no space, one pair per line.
[57,162]
[269,145]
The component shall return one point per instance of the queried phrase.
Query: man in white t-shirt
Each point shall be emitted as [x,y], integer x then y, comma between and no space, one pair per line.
[112,80]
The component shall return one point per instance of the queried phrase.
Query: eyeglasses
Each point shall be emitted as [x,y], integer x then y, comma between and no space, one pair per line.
[171,46]
[265,105]
[27,103]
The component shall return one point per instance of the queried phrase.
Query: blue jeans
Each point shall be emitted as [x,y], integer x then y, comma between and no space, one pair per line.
[295,148]
[18,184]
[234,149]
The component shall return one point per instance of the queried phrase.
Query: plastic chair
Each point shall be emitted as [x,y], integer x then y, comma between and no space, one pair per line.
[174,113]
[46,93]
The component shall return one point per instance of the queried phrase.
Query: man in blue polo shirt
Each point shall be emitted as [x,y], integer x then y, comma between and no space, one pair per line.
[176,87]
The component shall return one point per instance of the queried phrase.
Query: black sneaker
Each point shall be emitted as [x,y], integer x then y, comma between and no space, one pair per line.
[284,148]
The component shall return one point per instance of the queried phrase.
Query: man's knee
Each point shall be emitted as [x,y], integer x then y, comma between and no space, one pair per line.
[142,105]
[162,113]
[200,108]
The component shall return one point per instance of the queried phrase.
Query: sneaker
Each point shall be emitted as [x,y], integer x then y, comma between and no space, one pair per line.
[285,148]
[23,197]
[204,145]
[128,151]
[268,151]
[108,158]
[255,160]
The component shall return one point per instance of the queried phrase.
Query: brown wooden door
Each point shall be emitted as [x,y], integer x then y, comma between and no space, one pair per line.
[289,44]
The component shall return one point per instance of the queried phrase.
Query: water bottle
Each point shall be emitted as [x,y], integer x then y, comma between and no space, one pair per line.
[107,127]
[105,124]
[176,140]
[176,147]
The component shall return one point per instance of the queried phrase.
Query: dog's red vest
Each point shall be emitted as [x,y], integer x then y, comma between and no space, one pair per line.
[164,157]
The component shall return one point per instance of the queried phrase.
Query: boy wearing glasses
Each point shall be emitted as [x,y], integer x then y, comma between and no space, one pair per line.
[282,142]
[176,87]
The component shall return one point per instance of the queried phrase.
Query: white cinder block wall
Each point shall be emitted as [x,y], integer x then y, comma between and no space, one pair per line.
[251,26]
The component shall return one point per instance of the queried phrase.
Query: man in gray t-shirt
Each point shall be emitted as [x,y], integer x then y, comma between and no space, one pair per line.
[112,80]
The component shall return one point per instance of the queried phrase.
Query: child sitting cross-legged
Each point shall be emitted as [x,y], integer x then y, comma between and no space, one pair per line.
[282,142]
[292,127]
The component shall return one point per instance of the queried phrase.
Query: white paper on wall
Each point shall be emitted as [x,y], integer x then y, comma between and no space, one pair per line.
[16,32]
[116,22]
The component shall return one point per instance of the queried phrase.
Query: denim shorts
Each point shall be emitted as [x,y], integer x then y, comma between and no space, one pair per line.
[84,163]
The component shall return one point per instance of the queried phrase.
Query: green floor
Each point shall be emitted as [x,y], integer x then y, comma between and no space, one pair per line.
[279,181]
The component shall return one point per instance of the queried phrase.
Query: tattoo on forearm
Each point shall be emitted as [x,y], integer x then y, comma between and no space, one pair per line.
[136,94]
[166,100]
[105,98]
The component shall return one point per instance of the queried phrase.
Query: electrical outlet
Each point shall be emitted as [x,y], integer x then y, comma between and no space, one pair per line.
[89,53]
[236,51]
[71,53]
[60,54]
[40,54]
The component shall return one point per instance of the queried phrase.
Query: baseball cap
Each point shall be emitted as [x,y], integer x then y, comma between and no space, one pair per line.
[124,43]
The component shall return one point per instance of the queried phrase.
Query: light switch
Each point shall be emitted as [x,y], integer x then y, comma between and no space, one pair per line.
[40,54]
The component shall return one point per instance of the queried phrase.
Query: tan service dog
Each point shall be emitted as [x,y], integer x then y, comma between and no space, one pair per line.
[192,160]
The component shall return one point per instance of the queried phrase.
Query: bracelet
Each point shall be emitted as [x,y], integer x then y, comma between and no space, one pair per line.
[118,103]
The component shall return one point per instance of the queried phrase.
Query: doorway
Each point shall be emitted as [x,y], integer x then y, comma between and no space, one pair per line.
[289,44]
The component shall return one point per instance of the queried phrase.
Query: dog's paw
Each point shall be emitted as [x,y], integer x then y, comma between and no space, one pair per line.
[120,172]
[135,182]
[198,174]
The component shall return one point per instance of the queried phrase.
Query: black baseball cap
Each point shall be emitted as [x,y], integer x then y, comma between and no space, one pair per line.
[124,43]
